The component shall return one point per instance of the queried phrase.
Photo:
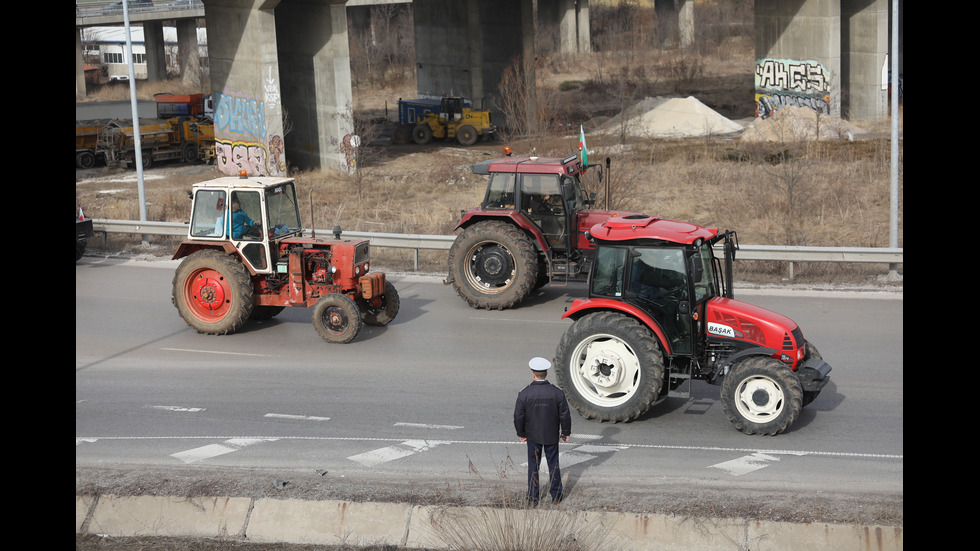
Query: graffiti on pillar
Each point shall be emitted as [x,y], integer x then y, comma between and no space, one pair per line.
[781,82]
[234,157]
[348,147]
[240,116]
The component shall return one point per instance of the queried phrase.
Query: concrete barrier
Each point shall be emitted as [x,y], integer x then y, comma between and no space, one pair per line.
[415,526]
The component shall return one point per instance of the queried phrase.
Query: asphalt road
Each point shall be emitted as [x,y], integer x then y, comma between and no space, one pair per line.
[430,397]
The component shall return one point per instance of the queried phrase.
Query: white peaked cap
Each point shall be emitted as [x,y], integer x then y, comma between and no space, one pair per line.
[539,364]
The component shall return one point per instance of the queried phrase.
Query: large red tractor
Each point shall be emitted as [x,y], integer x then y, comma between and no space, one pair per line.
[660,314]
[246,258]
[529,230]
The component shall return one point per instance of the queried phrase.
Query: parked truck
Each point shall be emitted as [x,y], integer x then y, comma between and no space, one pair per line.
[183,131]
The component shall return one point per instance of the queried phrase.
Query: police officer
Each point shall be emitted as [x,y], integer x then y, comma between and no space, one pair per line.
[541,418]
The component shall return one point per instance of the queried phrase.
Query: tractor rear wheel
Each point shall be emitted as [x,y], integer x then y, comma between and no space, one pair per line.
[493,265]
[422,134]
[213,292]
[761,395]
[336,318]
[610,367]
[467,135]
[382,311]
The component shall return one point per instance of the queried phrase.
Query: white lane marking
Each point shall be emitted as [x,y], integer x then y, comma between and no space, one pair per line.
[391,453]
[81,440]
[511,320]
[579,454]
[212,352]
[745,464]
[214,450]
[299,417]
[424,426]
[802,453]
[176,408]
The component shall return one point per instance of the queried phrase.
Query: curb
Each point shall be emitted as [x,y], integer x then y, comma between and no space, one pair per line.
[295,521]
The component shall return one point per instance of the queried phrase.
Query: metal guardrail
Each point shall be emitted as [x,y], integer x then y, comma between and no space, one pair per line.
[420,242]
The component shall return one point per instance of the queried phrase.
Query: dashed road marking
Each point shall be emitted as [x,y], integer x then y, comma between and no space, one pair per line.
[424,426]
[213,450]
[296,417]
[177,408]
[391,453]
[745,464]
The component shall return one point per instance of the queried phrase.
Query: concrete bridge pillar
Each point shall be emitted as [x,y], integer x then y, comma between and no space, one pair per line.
[280,71]
[187,51]
[155,51]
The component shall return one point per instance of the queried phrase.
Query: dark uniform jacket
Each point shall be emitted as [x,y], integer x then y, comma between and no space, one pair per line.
[541,414]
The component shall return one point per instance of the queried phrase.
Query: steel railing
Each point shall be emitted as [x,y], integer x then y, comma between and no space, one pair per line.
[420,242]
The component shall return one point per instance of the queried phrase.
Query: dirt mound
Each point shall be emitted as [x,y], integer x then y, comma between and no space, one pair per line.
[791,123]
[662,117]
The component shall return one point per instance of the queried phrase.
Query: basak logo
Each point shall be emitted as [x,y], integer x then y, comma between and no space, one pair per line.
[721,330]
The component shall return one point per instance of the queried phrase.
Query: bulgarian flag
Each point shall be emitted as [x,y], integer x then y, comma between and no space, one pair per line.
[581,146]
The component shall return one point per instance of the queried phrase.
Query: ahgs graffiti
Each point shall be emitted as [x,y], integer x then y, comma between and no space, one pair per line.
[787,82]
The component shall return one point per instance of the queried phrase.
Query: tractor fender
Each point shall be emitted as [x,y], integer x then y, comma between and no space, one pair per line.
[725,365]
[514,217]
[580,308]
[187,248]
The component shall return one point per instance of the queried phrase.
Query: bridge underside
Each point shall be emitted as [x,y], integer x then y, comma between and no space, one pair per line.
[280,69]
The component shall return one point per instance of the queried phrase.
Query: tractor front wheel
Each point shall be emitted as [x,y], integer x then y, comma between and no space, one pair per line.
[610,367]
[336,318]
[761,395]
[213,292]
[493,265]
[381,310]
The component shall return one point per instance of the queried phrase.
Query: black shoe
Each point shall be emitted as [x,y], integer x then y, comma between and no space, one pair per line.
[532,502]
[558,499]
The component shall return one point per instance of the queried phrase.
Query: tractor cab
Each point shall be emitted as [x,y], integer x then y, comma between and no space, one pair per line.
[669,277]
[249,214]
[546,192]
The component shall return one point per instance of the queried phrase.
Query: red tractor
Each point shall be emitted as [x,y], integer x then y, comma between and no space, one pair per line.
[660,313]
[246,258]
[529,230]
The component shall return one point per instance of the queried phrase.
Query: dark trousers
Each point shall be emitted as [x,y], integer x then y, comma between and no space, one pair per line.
[534,463]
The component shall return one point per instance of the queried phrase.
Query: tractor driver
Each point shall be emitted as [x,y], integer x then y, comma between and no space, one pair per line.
[241,224]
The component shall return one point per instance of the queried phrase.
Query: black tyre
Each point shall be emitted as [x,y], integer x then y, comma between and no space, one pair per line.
[262,313]
[85,159]
[147,160]
[760,395]
[384,310]
[812,352]
[336,318]
[422,134]
[188,152]
[493,265]
[80,245]
[467,135]
[213,292]
[610,367]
